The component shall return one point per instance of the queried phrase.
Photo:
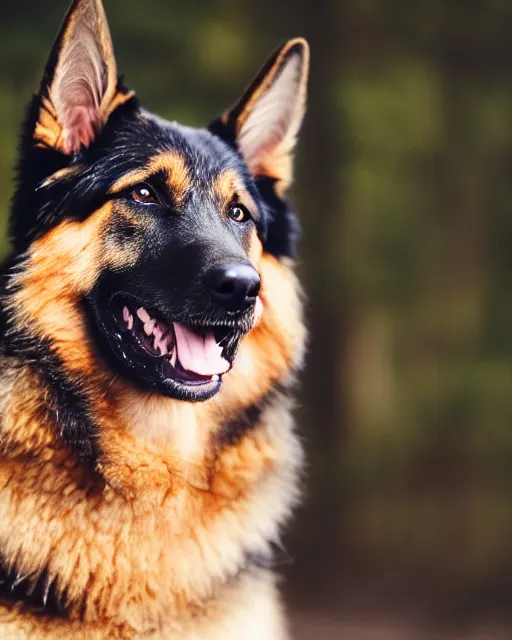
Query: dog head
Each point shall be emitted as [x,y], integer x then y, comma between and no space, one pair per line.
[144,236]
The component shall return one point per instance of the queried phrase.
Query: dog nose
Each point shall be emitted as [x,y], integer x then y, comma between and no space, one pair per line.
[234,286]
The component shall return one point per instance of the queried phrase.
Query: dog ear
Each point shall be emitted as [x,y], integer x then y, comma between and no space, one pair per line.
[80,85]
[264,124]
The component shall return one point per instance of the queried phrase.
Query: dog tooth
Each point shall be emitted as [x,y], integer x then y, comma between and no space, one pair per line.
[174,357]
[143,315]
[215,378]
[158,345]
[128,318]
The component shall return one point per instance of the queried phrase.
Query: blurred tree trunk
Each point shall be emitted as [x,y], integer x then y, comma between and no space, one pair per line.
[461,193]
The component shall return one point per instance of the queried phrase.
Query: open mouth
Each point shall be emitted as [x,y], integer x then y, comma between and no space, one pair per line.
[183,361]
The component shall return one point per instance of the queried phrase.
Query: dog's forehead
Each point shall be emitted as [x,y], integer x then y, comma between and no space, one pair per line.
[193,162]
[205,155]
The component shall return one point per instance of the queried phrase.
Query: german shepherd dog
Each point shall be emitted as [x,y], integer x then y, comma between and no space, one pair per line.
[151,335]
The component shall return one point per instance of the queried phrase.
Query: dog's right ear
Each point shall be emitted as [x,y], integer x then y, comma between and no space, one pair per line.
[263,125]
[79,90]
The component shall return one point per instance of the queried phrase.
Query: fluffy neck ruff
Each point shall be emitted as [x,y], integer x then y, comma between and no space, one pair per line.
[175,498]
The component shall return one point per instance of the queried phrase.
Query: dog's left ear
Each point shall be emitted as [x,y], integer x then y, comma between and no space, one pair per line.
[80,85]
[264,124]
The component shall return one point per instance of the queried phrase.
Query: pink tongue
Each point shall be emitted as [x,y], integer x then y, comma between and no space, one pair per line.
[199,353]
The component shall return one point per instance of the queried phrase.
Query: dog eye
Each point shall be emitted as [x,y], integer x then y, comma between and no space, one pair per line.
[143,194]
[238,213]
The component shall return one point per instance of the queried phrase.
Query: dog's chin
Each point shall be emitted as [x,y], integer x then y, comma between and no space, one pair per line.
[182,360]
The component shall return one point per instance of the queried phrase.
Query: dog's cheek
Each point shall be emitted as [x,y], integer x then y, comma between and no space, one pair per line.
[281,333]
[123,236]
[273,351]
[62,267]
[65,260]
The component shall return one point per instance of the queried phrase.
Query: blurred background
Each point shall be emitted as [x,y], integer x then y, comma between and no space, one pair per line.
[405,193]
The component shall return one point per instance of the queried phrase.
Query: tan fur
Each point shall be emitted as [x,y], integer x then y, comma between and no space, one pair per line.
[228,187]
[172,163]
[247,608]
[63,174]
[154,543]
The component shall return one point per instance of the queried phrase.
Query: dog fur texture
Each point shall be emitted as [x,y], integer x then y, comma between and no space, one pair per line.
[130,508]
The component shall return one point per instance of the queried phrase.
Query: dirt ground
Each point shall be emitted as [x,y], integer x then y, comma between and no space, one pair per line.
[317,627]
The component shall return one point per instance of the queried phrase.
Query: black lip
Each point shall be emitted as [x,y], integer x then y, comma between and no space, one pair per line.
[133,360]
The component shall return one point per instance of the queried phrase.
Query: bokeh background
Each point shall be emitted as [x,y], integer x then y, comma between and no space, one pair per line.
[405,193]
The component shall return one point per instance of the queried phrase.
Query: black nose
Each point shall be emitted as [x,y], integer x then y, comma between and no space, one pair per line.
[234,286]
